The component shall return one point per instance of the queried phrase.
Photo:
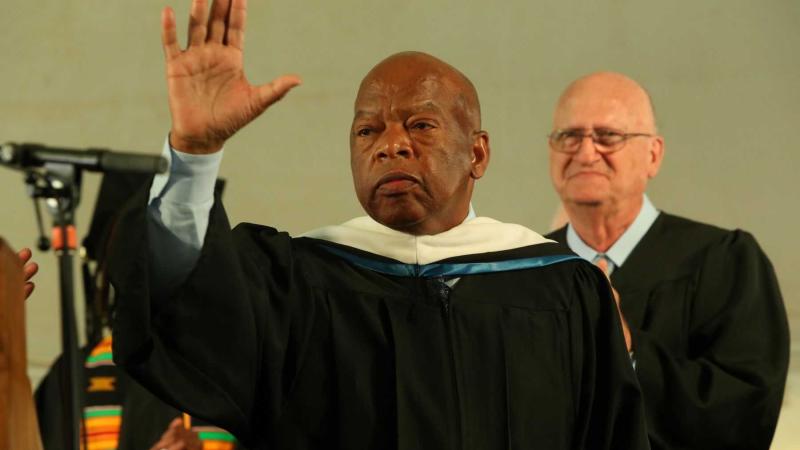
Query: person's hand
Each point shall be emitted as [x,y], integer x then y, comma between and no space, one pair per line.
[11,271]
[22,260]
[626,331]
[178,438]
[210,98]
[29,269]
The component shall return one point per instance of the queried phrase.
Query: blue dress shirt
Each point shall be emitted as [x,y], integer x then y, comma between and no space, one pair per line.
[619,252]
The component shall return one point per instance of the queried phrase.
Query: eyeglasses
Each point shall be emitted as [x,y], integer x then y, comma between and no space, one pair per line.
[605,140]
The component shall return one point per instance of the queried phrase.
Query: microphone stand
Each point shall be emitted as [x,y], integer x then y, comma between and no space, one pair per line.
[54,174]
[60,184]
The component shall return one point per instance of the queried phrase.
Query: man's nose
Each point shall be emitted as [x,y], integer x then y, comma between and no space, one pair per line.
[395,143]
[587,150]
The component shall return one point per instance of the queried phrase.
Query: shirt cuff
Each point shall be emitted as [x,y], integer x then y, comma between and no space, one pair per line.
[190,178]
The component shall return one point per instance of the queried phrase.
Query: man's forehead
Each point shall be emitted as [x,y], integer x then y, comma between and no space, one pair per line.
[410,84]
[426,92]
[376,108]
[604,98]
[592,110]
[411,80]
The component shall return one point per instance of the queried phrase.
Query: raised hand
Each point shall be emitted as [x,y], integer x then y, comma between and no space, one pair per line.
[210,98]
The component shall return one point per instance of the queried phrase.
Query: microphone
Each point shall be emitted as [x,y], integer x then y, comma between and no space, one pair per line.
[24,156]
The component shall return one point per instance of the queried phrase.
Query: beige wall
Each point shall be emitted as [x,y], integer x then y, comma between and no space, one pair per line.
[725,77]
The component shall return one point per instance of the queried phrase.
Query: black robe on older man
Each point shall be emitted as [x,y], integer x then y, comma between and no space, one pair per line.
[710,335]
[299,343]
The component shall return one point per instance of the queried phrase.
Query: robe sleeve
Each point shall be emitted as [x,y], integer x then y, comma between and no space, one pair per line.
[610,406]
[227,344]
[726,392]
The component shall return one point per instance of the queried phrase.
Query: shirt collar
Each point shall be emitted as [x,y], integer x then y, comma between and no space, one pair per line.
[621,249]
[471,214]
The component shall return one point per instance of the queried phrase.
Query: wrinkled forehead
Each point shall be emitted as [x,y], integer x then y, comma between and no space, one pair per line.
[592,111]
[425,89]
[594,105]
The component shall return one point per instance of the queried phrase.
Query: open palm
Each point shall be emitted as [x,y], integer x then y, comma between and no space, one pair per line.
[210,98]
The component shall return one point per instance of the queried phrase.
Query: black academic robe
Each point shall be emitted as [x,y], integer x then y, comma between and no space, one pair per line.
[291,346]
[710,335]
[143,418]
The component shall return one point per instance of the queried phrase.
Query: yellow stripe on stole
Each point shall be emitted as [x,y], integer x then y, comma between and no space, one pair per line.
[94,422]
[101,384]
[108,444]
[217,445]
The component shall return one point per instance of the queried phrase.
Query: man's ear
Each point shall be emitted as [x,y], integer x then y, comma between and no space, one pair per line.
[480,154]
[655,156]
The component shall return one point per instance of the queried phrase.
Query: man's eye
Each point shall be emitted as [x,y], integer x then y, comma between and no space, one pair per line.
[607,133]
[364,132]
[609,137]
[570,136]
[421,126]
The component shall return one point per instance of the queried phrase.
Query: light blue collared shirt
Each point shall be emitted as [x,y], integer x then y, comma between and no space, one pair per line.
[619,252]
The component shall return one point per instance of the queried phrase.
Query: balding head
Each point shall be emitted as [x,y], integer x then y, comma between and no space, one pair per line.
[416,147]
[401,68]
[607,178]
[612,93]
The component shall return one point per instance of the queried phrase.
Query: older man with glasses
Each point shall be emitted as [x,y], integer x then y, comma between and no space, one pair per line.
[704,319]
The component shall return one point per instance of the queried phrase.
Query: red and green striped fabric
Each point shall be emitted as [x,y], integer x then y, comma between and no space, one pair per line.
[214,438]
[102,427]
[101,354]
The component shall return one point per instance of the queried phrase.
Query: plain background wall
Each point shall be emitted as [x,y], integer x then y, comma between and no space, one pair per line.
[724,76]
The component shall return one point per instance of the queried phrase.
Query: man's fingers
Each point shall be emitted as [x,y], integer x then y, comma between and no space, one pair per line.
[168,444]
[162,444]
[176,424]
[198,17]
[25,255]
[272,92]
[236,21]
[30,270]
[217,21]
[171,432]
[169,38]
[169,437]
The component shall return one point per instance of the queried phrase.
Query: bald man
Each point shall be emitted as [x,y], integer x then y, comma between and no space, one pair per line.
[416,326]
[702,311]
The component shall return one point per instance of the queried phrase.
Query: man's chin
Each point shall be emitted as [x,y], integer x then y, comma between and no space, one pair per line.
[585,200]
[399,220]
[410,216]
[589,196]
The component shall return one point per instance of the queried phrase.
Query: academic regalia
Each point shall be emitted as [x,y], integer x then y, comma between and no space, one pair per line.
[119,414]
[303,343]
[710,335]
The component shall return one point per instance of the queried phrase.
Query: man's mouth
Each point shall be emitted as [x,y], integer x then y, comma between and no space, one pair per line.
[394,183]
[583,173]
